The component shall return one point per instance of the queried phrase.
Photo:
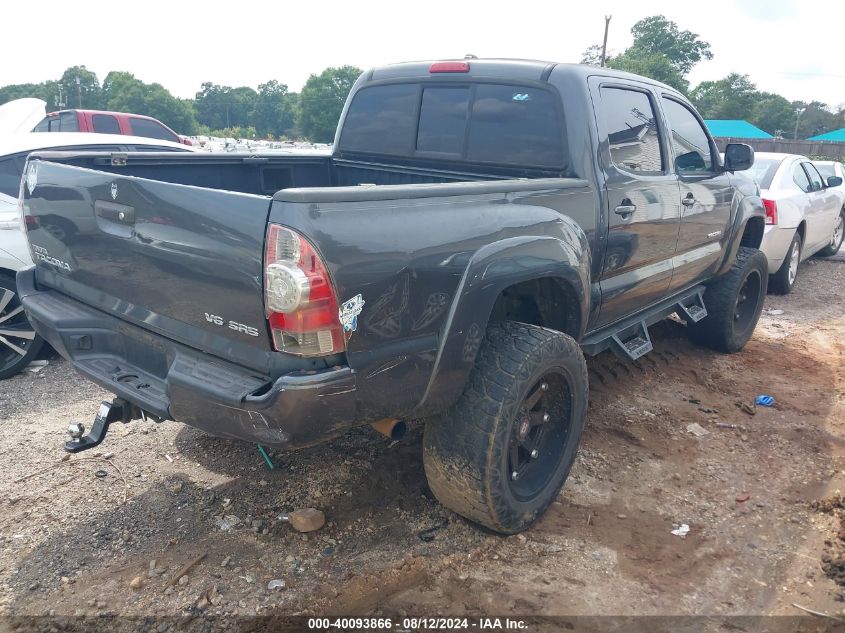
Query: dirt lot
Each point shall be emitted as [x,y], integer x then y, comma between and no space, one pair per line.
[73,538]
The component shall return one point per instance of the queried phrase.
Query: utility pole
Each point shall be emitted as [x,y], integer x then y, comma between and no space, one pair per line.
[797,121]
[604,43]
[79,93]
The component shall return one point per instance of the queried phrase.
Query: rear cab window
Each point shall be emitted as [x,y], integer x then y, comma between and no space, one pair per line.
[492,127]
[151,129]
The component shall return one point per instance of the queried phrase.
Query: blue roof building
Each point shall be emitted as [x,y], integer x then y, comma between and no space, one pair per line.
[734,128]
[835,135]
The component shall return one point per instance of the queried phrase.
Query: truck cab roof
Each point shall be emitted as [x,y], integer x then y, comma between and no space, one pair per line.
[514,69]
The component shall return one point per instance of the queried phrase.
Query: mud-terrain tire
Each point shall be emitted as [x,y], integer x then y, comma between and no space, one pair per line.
[837,238]
[782,281]
[528,390]
[734,304]
[17,349]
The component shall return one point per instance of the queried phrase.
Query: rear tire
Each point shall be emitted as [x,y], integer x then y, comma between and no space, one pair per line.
[19,344]
[783,280]
[836,239]
[734,304]
[522,412]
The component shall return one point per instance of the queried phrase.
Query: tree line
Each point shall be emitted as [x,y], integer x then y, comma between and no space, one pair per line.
[271,111]
[662,51]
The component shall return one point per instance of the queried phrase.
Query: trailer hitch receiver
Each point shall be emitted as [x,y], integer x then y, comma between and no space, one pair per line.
[119,410]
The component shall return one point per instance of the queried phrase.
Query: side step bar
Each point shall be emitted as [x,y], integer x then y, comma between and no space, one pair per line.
[629,337]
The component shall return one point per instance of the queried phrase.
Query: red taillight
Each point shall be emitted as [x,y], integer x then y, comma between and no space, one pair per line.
[31,222]
[449,67]
[771,211]
[299,300]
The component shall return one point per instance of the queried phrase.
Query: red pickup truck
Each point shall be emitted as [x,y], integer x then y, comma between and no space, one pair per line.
[108,123]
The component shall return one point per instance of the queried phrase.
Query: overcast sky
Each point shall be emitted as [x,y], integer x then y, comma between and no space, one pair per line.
[795,48]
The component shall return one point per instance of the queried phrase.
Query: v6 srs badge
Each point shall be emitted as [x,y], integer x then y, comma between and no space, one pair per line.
[232,325]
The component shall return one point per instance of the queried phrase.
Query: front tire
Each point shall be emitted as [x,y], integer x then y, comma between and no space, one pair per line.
[19,344]
[837,237]
[734,304]
[783,280]
[500,457]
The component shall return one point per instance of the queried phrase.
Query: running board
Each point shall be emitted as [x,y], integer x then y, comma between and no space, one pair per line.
[629,337]
[634,344]
[692,309]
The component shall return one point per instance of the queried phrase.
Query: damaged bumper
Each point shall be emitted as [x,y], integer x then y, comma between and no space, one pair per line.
[173,381]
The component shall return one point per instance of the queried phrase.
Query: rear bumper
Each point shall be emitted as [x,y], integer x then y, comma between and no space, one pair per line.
[775,243]
[173,381]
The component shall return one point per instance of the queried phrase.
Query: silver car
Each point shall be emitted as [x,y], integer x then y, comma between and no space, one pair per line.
[805,214]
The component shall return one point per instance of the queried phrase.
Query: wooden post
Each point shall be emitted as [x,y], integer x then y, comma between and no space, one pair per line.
[604,43]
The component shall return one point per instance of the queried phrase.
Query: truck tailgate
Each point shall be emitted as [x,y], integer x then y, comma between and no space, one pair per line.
[185,261]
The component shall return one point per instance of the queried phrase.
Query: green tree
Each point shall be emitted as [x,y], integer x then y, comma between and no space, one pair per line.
[774,114]
[815,118]
[321,102]
[649,64]
[733,97]
[683,49]
[274,109]
[81,88]
[123,92]
[223,106]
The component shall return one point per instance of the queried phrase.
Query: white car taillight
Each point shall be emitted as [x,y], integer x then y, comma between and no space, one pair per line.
[299,300]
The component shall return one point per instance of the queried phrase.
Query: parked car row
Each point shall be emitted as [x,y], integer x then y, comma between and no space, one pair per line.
[805,212]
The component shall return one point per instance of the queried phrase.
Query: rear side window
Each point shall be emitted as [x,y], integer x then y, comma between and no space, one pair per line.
[151,129]
[43,125]
[10,175]
[474,123]
[632,130]
[105,124]
[689,140]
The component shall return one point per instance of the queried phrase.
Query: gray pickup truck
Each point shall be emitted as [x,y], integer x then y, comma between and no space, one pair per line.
[477,227]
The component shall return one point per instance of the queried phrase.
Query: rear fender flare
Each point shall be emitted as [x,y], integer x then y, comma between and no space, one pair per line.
[745,209]
[492,269]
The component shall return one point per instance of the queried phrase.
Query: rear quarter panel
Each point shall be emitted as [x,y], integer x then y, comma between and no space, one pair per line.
[429,270]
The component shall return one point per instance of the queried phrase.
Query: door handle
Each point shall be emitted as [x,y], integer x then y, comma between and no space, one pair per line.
[689,201]
[626,209]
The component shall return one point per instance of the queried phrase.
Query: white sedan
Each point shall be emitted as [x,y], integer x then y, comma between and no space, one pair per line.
[19,344]
[805,214]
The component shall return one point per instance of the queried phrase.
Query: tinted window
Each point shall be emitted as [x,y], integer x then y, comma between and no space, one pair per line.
[632,130]
[105,124]
[67,123]
[43,125]
[151,129]
[816,182]
[443,120]
[799,177]
[381,120]
[10,176]
[515,125]
[508,125]
[689,140]
[763,171]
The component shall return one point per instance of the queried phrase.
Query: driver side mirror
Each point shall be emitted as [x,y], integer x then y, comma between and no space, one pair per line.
[834,181]
[738,157]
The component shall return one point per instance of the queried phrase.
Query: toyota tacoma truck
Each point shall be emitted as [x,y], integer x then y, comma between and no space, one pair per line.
[478,226]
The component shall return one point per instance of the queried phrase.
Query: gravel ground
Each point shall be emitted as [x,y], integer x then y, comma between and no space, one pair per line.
[106,533]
